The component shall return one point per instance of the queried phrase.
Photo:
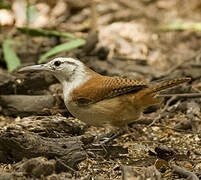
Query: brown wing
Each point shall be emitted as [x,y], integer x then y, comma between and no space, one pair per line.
[103,87]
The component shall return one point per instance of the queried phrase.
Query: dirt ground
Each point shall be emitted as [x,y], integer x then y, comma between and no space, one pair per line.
[39,138]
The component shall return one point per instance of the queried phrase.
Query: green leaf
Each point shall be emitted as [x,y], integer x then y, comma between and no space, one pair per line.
[62,47]
[10,56]
[43,32]
[182,26]
[31,14]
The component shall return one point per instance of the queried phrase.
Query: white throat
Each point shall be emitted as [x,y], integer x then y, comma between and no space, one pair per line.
[68,86]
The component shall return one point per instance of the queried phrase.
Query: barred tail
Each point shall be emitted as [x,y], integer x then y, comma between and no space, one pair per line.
[168,84]
[147,96]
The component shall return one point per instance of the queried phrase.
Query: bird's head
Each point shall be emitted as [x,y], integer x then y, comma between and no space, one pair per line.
[64,69]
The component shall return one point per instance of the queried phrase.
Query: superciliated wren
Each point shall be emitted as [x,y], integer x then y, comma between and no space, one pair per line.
[99,100]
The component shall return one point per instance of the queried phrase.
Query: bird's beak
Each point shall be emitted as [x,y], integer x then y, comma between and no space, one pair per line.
[41,67]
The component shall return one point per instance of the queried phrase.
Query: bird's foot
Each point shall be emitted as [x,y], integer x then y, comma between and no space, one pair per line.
[109,137]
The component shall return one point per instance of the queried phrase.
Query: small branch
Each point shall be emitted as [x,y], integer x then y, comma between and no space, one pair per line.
[171,70]
[184,172]
[162,110]
[185,95]
[175,129]
[94,17]
[65,165]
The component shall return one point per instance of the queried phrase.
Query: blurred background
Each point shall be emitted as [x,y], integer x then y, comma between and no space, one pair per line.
[159,33]
[148,40]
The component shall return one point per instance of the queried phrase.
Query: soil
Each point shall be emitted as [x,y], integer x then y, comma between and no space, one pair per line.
[40,139]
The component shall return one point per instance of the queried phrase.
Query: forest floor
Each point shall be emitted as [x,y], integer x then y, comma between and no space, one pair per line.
[39,138]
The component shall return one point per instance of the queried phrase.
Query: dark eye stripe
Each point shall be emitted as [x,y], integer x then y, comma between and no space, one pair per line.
[72,63]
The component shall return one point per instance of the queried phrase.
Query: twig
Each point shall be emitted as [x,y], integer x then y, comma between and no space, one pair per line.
[173,97]
[123,58]
[181,63]
[185,95]
[162,110]
[65,165]
[184,172]
[155,120]
[94,17]
[175,129]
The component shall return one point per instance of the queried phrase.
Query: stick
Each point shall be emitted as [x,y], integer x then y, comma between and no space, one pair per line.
[185,95]
[184,172]
[162,110]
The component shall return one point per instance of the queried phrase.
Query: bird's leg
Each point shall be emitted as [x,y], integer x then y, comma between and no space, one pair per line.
[104,140]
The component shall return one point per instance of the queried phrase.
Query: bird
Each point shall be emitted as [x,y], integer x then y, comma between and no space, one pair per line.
[99,100]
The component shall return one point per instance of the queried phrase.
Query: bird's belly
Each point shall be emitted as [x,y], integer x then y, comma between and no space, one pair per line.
[109,111]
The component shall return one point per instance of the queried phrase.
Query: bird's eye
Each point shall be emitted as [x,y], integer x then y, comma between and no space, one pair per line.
[57,63]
